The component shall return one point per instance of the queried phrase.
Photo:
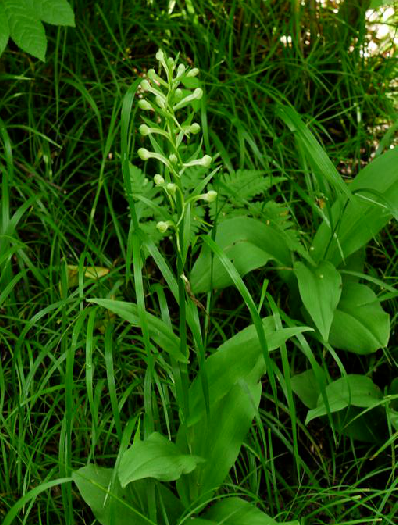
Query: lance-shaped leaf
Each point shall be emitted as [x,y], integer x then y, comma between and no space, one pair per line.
[218,439]
[248,243]
[357,222]
[320,290]
[236,511]
[234,360]
[156,458]
[352,390]
[158,330]
[360,325]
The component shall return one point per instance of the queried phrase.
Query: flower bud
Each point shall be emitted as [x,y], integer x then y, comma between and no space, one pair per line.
[194,128]
[145,85]
[204,161]
[160,56]
[159,180]
[171,188]
[163,226]
[198,93]
[180,70]
[193,72]
[144,130]
[145,105]
[210,196]
[173,158]
[143,154]
[160,101]
[179,94]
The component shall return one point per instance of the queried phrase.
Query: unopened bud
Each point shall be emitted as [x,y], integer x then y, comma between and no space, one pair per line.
[159,180]
[210,196]
[171,188]
[163,226]
[180,70]
[145,85]
[193,72]
[144,130]
[194,128]
[143,154]
[145,105]
[173,158]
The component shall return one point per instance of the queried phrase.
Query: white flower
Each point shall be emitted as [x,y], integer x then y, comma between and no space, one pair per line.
[193,72]
[144,130]
[163,226]
[143,154]
[145,105]
[159,180]
[204,161]
[196,95]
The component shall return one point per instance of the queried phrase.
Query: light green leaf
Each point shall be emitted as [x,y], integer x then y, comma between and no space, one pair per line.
[248,243]
[218,439]
[236,511]
[361,219]
[320,290]
[234,360]
[158,330]
[93,483]
[360,325]
[57,12]
[157,458]
[306,386]
[4,30]
[25,28]
[352,390]
[376,4]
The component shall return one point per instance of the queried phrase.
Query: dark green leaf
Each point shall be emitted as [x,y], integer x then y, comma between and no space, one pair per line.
[57,12]
[4,30]
[306,386]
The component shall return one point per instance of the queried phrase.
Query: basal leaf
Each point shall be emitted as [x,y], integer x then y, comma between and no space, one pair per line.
[57,12]
[93,483]
[236,511]
[360,325]
[4,29]
[158,330]
[25,28]
[352,390]
[306,387]
[218,439]
[320,290]
[248,243]
[157,458]
[360,220]
[234,360]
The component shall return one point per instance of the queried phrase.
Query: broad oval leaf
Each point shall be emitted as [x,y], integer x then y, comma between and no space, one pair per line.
[306,387]
[360,325]
[248,243]
[236,511]
[352,390]
[156,458]
[158,330]
[320,290]
[57,12]
[4,30]
[25,28]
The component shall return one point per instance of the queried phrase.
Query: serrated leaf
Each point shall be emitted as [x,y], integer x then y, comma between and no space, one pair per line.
[320,290]
[25,28]
[4,29]
[360,325]
[352,390]
[57,12]
[156,458]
